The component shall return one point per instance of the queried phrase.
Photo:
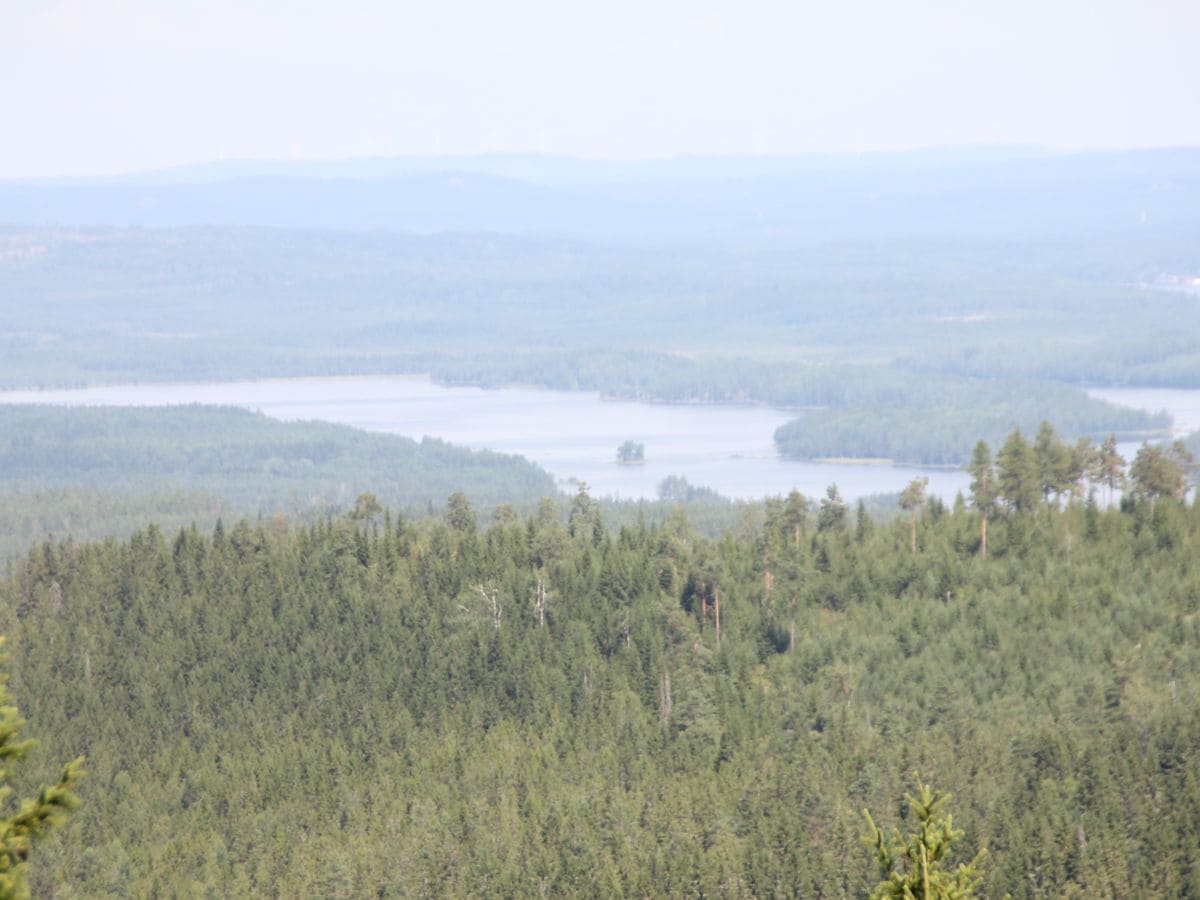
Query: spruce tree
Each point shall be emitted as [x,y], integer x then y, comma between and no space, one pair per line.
[914,866]
[832,515]
[33,818]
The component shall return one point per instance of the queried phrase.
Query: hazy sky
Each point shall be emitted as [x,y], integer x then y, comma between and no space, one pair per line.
[103,86]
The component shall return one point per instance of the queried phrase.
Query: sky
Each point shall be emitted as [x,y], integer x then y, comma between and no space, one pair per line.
[95,87]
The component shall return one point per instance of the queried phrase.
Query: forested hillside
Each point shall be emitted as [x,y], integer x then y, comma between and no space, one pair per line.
[910,348]
[92,471]
[372,706]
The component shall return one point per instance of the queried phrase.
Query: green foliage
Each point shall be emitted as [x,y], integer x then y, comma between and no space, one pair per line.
[459,514]
[916,865]
[33,818]
[366,507]
[984,491]
[218,303]
[29,516]
[832,514]
[193,463]
[1162,471]
[400,707]
[1108,466]
[937,422]
[1017,473]
[912,497]
[1053,462]
[676,489]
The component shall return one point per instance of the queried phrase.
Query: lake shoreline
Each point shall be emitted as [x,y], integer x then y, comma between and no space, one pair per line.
[573,434]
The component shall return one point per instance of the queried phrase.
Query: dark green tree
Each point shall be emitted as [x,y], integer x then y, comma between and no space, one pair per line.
[832,515]
[583,519]
[1018,478]
[459,514]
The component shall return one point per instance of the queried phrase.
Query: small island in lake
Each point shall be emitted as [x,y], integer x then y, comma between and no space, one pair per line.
[631,453]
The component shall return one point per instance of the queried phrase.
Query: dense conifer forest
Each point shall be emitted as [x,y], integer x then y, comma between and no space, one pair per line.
[252,460]
[549,706]
[99,472]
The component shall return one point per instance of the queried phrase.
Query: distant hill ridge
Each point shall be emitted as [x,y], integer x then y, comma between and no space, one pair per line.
[989,193]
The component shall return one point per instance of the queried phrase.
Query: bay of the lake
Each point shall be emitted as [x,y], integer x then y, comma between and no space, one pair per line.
[573,435]
[1183,404]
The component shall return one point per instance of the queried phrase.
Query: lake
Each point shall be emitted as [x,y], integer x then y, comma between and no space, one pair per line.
[573,435]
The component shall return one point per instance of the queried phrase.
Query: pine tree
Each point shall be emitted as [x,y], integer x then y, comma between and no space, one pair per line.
[459,514]
[983,489]
[795,515]
[1081,461]
[1052,460]
[1159,472]
[33,818]
[912,498]
[1109,467]
[1018,476]
[366,508]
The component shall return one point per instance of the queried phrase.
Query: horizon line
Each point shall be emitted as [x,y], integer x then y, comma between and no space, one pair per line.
[1007,152]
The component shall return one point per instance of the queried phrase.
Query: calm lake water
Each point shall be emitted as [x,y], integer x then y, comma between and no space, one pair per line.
[574,435]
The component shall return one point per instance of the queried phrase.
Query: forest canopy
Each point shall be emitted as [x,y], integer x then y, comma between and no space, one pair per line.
[373,705]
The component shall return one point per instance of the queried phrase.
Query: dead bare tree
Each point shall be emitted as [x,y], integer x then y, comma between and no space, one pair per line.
[493,601]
